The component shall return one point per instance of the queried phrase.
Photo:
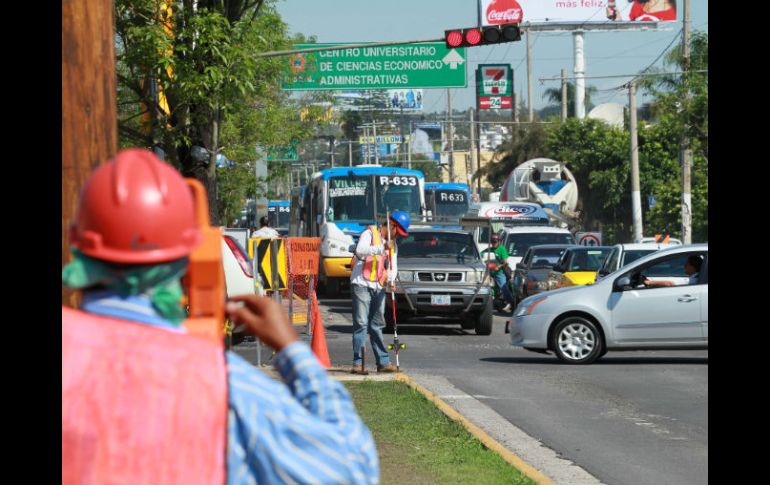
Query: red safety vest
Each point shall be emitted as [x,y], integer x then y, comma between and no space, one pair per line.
[374,265]
[140,405]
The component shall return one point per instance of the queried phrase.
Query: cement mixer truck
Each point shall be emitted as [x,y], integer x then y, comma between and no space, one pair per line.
[548,183]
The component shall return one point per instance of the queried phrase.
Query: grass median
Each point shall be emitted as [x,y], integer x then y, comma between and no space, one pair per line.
[418,444]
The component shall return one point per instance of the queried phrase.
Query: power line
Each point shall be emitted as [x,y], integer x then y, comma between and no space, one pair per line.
[543,79]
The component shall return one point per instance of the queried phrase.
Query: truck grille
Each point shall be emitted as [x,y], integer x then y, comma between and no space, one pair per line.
[439,277]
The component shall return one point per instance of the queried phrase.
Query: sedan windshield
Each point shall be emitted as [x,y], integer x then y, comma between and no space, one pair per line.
[518,243]
[546,258]
[589,260]
[438,245]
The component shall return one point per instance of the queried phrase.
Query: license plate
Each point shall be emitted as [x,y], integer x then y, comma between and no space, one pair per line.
[440,300]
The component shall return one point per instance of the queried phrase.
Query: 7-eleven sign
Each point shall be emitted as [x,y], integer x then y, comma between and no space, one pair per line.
[494,86]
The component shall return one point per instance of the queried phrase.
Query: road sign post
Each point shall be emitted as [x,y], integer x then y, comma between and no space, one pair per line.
[589,238]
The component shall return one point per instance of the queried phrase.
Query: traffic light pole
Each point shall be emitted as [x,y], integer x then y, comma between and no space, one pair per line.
[345,46]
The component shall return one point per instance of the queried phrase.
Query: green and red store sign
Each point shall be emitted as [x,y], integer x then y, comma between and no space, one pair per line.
[494,86]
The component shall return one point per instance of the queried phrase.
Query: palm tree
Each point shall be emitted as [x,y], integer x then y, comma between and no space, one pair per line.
[553,95]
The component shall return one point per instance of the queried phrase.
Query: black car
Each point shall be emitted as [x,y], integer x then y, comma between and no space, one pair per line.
[531,275]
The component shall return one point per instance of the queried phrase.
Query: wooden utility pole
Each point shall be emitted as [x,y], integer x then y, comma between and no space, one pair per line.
[89,118]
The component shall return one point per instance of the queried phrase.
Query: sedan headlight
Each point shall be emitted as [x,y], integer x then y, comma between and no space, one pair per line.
[521,310]
[406,276]
[527,309]
[541,285]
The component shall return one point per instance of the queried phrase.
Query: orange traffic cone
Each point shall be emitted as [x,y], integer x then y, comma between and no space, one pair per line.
[318,344]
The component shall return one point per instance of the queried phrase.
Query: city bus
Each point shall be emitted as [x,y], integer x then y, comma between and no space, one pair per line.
[278,215]
[447,202]
[339,203]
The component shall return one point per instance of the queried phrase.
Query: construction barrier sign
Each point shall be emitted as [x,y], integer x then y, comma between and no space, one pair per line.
[268,263]
[305,252]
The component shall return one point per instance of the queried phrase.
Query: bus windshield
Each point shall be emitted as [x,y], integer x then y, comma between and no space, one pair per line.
[350,199]
[450,202]
[278,216]
[398,192]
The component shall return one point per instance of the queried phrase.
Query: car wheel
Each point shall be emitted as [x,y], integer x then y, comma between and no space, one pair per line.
[484,320]
[576,340]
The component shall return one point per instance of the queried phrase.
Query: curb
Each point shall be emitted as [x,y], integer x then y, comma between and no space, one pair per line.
[506,454]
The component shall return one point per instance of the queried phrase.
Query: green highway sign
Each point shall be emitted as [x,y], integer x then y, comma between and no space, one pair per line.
[288,153]
[425,65]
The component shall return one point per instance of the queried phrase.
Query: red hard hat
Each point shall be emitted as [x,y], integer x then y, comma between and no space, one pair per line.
[136,209]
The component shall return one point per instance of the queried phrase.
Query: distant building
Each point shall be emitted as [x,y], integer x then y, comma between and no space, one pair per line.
[494,136]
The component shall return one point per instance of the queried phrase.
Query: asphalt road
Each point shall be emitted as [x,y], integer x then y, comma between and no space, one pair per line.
[633,418]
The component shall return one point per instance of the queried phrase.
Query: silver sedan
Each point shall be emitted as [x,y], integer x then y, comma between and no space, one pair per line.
[623,311]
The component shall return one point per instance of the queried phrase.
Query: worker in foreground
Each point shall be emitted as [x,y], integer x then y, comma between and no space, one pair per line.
[144,401]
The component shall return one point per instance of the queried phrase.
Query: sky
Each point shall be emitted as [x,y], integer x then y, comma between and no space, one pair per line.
[606,53]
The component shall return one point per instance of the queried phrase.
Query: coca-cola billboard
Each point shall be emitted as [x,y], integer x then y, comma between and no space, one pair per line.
[495,12]
[502,12]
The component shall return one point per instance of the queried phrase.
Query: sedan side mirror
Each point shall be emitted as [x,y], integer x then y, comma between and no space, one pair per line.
[622,284]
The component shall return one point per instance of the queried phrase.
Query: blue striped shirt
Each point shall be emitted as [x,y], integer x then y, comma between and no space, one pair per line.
[304,430]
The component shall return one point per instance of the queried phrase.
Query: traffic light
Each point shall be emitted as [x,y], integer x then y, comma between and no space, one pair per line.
[473,36]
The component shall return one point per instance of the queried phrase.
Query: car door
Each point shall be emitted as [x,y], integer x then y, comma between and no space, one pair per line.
[658,315]
[520,274]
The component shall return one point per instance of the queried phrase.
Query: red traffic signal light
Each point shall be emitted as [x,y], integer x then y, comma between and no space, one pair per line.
[453,38]
[473,36]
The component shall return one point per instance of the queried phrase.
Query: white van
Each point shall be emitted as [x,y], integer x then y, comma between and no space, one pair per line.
[518,239]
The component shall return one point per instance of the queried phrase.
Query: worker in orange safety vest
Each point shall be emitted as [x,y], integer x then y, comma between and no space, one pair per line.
[368,281]
[144,401]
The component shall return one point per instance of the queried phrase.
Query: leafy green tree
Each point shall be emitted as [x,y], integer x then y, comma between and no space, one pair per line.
[676,115]
[598,157]
[553,95]
[191,77]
